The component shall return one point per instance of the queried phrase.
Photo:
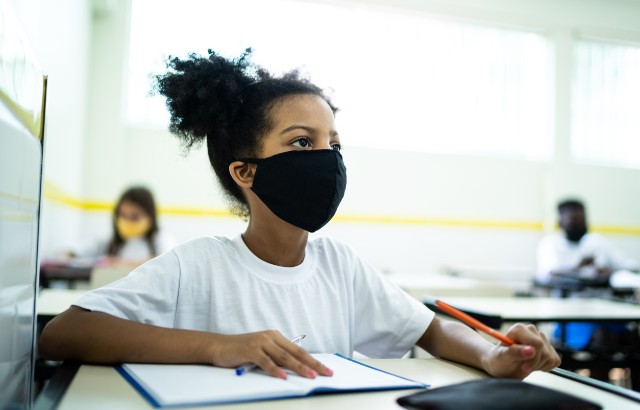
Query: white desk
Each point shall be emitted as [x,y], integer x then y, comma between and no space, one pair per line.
[513,309]
[495,312]
[54,301]
[99,387]
[444,285]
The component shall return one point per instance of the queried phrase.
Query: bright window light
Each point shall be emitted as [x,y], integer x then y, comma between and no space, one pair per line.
[605,126]
[402,80]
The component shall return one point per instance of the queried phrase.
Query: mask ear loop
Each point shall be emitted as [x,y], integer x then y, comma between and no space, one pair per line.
[255,161]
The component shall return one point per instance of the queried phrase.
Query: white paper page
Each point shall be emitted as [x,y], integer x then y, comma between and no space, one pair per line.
[191,384]
[348,375]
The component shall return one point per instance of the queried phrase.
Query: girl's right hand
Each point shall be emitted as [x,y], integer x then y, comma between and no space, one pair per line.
[267,349]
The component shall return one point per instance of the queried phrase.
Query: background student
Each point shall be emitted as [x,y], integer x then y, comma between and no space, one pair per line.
[136,236]
[582,255]
[579,253]
[274,148]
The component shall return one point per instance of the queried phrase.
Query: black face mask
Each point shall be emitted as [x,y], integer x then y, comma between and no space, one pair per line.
[303,188]
[575,232]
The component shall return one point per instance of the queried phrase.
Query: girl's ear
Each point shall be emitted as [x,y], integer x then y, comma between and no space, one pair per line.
[243,173]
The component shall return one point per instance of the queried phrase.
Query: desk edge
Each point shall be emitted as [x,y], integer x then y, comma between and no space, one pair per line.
[597,384]
[50,396]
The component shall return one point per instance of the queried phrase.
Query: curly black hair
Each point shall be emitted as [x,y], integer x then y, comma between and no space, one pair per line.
[226,102]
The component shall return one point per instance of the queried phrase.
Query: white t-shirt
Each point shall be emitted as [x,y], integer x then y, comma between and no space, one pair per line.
[217,284]
[556,253]
[134,249]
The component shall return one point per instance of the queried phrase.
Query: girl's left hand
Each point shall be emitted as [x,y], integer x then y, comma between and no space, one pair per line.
[531,352]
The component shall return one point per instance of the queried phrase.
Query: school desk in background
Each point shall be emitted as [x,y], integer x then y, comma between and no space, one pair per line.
[496,312]
[84,273]
[69,272]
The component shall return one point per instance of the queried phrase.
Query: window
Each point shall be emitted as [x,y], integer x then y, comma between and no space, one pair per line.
[605,126]
[402,80]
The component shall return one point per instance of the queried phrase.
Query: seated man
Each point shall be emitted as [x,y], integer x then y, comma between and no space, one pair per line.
[579,253]
[582,255]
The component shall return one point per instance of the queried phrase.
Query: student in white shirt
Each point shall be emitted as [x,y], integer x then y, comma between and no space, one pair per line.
[274,148]
[583,255]
[577,252]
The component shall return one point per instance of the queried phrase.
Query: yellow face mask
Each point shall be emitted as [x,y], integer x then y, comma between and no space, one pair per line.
[132,229]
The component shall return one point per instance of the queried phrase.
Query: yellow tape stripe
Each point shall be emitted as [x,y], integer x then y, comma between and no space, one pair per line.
[617,230]
[13,217]
[10,196]
[52,193]
[55,194]
[475,223]
[195,212]
[14,197]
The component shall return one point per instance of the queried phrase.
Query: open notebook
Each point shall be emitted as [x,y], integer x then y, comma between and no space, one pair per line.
[187,385]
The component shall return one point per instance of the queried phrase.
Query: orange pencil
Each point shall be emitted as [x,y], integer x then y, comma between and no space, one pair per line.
[473,322]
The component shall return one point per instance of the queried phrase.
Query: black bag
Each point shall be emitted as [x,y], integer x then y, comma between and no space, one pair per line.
[494,394]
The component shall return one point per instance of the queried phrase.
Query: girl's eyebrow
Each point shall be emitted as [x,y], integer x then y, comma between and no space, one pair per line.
[310,130]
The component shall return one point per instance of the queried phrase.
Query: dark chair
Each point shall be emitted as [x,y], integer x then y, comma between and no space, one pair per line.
[602,353]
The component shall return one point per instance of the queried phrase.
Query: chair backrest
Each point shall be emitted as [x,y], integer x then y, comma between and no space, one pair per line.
[101,276]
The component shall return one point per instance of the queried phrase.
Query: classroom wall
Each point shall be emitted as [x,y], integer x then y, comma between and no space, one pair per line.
[60,34]
[447,210]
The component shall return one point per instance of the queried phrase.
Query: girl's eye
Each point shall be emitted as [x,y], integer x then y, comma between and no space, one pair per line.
[336,147]
[302,143]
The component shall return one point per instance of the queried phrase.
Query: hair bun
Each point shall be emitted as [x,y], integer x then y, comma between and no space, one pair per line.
[227,103]
[204,95]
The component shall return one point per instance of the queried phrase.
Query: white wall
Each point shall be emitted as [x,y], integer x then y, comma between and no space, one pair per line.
[387,183]
[60,34]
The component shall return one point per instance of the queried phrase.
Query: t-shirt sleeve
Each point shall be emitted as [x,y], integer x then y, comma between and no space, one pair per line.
[147,295]
[388,322]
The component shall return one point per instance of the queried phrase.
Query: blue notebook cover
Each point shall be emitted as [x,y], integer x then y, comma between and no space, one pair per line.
[191,385]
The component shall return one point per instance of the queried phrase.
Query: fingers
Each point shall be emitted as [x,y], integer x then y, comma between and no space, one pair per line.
[297,359]
[284,356]
[278,352]
[307,365]
[524,334]
[533,349]
[269,366]
[553,359]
